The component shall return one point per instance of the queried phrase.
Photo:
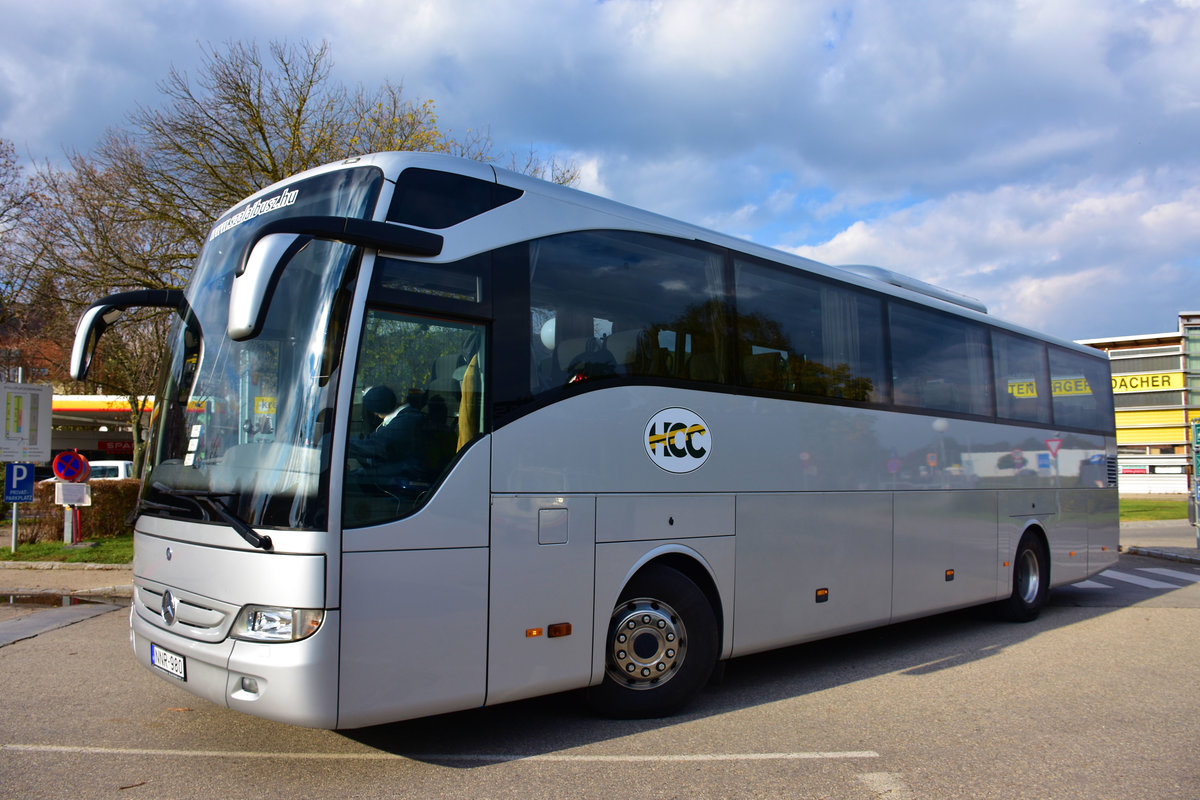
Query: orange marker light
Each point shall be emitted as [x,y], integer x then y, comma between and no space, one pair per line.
[532,633]
[559,629]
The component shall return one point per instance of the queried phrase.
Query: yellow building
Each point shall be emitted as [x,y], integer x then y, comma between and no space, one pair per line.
[1156,391]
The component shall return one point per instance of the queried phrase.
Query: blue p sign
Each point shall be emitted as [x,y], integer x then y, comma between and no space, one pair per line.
[18,483]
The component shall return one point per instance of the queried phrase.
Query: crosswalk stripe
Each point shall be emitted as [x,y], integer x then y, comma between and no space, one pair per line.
[1147,583]
[1172,573]
[1091,585]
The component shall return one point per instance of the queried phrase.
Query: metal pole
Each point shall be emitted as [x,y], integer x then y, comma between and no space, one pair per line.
[20,379]
[1194,500]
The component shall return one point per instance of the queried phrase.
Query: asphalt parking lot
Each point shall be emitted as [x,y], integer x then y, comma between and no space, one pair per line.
[1095,699]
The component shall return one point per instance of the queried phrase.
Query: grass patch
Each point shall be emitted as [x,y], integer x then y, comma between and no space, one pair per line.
[118,550]
[1140,510]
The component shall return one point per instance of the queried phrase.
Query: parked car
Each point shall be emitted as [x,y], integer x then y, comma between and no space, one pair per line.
[105,470]
[111,469]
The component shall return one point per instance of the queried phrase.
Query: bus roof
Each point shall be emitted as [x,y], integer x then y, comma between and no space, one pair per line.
[579,210]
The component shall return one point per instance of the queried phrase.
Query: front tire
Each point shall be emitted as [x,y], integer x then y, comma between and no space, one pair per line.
[1031,581]
[660,648]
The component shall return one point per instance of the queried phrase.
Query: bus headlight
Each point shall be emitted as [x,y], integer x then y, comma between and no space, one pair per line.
[272,624]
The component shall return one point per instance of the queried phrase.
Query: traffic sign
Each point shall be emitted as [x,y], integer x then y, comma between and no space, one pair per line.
[1052,445]
[18,483]
[71,467]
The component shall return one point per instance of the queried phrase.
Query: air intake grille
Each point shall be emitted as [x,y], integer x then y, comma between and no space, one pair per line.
[195,617]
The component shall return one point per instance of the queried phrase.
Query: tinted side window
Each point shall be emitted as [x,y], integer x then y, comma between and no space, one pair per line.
[431,199]
[1078,385]
[605,305]
[939,362]
[1021,376]
[797,334]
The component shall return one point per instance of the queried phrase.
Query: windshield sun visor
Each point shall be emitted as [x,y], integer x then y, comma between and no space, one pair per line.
[279,241]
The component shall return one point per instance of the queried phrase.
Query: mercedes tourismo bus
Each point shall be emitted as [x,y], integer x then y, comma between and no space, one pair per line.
[433,435]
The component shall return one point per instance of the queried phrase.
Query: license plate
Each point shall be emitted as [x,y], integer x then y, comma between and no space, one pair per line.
[167,661]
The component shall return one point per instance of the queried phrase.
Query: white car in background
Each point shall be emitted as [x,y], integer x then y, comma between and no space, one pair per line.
[105,470]
[111,469]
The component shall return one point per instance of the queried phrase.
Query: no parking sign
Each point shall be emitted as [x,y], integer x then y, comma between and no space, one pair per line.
[71,467]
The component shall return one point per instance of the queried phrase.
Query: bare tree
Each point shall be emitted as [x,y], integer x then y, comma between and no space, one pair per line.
[134,212]
[17,199]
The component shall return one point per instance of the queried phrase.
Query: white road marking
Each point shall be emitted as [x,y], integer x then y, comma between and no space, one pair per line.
[887,785]
[1091,585]
[1172,573]
[1147,583]
[472,757]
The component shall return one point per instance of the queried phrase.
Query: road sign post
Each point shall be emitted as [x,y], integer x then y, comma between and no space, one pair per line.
[72,469]
[1194,501]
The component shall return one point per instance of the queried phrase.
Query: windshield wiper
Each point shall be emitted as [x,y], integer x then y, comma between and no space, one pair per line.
[204,499]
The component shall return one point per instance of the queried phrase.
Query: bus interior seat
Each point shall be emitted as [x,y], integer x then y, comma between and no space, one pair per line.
[702,367]
[445,378]
[624,348]
[765,370]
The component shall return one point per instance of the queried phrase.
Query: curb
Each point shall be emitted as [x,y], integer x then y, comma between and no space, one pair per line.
[61,565]
[1134,524]
[98,594]
[1169,555]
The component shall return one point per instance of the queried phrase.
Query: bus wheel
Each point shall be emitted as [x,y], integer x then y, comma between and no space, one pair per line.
[1031,581]
[660,649]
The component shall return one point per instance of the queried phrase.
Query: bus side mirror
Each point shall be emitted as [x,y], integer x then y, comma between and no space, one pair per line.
[105,312]
[87,335]
[255,282]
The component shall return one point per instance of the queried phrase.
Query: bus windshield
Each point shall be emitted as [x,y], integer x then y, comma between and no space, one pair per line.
[244,427]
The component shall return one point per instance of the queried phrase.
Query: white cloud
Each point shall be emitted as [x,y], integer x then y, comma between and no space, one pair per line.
[993,146]
[1073,260]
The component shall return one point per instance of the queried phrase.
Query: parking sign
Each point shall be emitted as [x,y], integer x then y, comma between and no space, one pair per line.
[18,483]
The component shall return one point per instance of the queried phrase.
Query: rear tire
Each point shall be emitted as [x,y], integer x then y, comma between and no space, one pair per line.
[1031,581]
[660,649]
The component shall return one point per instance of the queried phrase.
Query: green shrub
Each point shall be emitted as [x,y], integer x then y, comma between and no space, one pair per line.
[112,500]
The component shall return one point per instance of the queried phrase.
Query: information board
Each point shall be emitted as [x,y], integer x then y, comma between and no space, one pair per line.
[27,412]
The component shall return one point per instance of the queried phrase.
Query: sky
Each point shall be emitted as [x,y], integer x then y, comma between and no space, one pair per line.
[1041,156]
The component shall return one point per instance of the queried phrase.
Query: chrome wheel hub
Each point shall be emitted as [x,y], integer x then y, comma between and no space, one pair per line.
[1029,577]
[647,643]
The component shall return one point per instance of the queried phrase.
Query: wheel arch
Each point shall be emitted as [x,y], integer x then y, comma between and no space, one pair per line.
[687,586]
[697,567]
[692,566]
[1036,529]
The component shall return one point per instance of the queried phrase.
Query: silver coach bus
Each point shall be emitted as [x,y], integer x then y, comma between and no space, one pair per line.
[434,435]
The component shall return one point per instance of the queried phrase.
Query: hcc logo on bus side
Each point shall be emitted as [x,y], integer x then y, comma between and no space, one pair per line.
[678,440]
